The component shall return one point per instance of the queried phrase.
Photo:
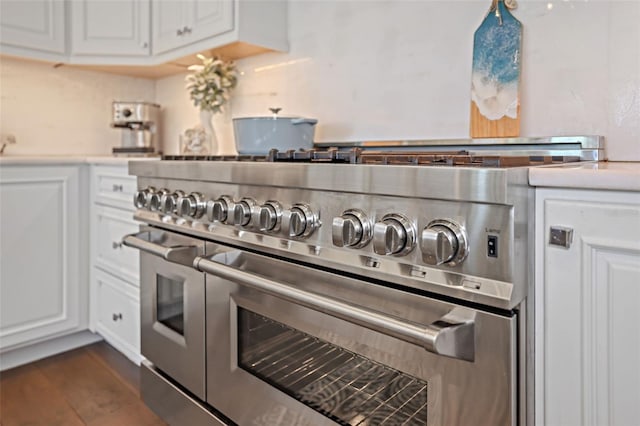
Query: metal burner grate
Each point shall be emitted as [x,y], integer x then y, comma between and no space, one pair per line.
[495,152]
[251,158]
[461,158]
[345,387]
[398,158]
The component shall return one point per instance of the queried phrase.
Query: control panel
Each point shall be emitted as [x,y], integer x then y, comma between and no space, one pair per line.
[298,221]
[439,242]
[422,243]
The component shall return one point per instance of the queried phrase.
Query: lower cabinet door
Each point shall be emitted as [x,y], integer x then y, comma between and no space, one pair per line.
[588,309]
[42,295]
[118,314]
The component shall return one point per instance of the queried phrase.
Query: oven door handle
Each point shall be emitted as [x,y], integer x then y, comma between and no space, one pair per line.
[452,335]
[180,254]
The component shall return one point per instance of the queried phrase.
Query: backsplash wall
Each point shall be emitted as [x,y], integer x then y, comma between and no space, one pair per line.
[402,69]
[62,111]
[366,70]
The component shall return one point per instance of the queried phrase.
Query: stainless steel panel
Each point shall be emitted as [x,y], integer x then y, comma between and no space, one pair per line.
[423,194]
[171,403]
[180,355]
[460,392]
[497,281]
[446,183]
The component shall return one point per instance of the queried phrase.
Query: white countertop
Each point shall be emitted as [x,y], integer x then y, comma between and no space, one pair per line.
[616,176]
[26,160]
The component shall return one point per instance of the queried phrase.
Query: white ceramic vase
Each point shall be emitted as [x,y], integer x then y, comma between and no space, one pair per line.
[206,120]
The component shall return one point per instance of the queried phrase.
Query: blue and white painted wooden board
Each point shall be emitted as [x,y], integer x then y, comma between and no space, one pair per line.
[495,82]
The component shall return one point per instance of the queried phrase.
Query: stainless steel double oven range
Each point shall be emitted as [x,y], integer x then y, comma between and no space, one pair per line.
[353,286]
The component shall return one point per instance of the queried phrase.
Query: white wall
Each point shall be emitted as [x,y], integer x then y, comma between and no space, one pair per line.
[62,111]
[367,70]
[401,69]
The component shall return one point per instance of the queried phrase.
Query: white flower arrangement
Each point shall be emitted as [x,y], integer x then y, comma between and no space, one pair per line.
[210,84]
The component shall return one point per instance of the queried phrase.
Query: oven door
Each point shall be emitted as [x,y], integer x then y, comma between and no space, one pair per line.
[172,303]
[316,348]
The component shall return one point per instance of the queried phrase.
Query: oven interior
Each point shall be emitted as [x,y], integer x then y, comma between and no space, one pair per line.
[342,385]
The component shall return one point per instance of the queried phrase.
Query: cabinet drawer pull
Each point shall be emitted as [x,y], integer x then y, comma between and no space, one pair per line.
[179,32]
[116,317]
[116,245]
[561,236]
[118,188]
[186,30]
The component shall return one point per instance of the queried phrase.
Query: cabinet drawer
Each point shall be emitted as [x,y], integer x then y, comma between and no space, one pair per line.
[111,225]
[114,187]
[118,314]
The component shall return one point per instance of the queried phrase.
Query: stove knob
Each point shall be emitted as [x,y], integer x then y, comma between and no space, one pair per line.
[394,235]
[192,205]
[218,210]
[142,197]
[443,241]
[352,229]
[300,221]
[156,198]
[268,216]
[243,210]
[169,202]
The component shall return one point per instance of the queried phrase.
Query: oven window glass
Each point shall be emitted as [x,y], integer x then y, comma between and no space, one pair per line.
[343,386]
[170,303]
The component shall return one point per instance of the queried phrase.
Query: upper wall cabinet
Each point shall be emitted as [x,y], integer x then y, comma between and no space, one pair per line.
[34,26]
[112,28]
[231,28]
[181,23]
[145,38]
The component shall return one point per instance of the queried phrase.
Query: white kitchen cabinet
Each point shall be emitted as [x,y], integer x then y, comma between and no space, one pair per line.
[588,309]
[34,28]
[180,23]
[115,268]
[110,28]
[144,38]
[42,255]
[232,28]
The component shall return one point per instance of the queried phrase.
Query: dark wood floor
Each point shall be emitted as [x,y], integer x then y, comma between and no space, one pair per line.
[94,385]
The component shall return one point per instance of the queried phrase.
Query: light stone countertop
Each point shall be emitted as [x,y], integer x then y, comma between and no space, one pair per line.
[26,160]
[614,175]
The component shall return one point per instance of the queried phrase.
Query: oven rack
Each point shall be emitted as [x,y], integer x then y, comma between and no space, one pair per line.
[346,387]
